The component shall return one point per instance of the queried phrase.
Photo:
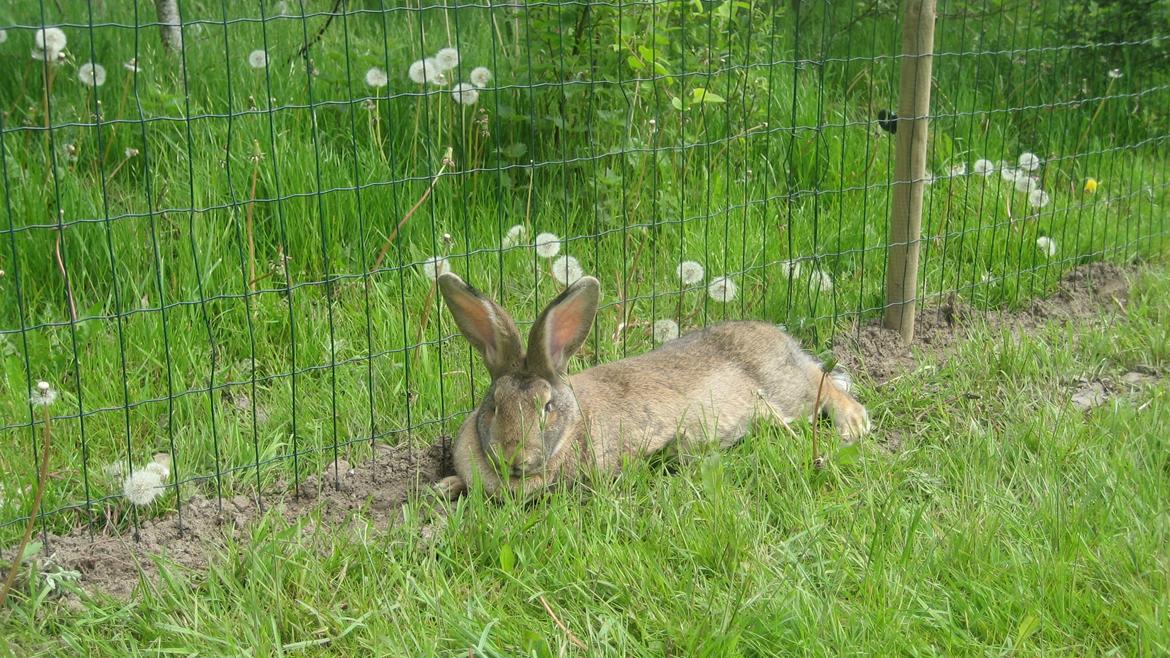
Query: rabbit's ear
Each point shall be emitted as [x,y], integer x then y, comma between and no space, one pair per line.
[486,326]
[562,328]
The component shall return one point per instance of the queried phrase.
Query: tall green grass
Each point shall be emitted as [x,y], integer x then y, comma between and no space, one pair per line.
[740,136]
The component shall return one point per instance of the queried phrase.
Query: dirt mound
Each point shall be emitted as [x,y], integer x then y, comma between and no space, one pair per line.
[880,354]
[113,563]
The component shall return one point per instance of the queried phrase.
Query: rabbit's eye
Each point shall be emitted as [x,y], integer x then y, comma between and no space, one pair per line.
[548,407]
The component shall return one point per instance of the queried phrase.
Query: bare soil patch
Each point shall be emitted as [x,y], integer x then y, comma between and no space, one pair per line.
[880,355]
[112,562]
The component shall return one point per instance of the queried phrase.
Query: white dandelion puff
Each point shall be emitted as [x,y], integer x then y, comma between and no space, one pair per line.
[465,93]
[722,289]
[513,237]
[447,59]
[132,66]
[547,245]
[50,39]
[42,395]
[1027,184]
[1114,74]
[131,152]
[790,268]
[480,76]
[435,267]
[821,280]
[1038,198]
[984,167]
[51,56]
[417,72]
[1029,161]
[258,59]
[432,72]
[690,272]
[665,330]
[159,469]
[377,78]
[3,36]
[91,74]
[566,270]
[1046,245]
[1009,174]
[957,170]
[114,471]
[142,487]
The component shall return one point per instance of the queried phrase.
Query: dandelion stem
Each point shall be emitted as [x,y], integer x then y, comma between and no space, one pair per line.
[42,478]
[248,226]
[816,445]
[406,217]
[65,276]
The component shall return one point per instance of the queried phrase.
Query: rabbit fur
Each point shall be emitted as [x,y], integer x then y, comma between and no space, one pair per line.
[537,425]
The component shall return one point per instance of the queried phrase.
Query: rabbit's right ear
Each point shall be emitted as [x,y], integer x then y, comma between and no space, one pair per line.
[486,326]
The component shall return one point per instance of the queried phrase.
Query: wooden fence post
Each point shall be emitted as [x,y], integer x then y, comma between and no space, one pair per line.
[909,166]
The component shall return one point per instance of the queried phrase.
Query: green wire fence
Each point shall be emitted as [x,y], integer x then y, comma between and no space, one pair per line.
[221,221]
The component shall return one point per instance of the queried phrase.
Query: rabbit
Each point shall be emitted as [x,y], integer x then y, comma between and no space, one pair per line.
[538,425]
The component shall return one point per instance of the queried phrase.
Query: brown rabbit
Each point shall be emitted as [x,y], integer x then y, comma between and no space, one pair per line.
[537,424]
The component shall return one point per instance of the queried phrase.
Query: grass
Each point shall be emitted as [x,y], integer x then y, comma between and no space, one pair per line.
[176,348]
[1009,522]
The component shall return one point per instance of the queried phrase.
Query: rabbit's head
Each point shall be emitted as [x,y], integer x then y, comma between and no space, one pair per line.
[529,410]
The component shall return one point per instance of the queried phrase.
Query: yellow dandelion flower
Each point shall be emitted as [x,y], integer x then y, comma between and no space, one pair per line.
[1090,185]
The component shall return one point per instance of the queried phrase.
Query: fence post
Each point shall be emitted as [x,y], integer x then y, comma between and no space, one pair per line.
[909,166]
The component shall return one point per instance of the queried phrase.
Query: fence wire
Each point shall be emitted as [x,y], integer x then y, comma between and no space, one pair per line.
[223,247]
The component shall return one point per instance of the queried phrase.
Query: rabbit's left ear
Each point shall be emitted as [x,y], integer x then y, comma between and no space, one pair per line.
[562,328]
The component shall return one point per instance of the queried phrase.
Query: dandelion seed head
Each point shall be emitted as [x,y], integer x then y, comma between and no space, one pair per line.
[984,167]
[447,59]
[43,395]
[465,93]
[142,487]
[50,56]
[131,65]
[566,270]
[131,152]
[690,272]
[1038,198]
[821,280]
[1114,74]
[159,469]
[790,268]
[417,72]
[1029,161]
[1007,173]
[377,78]
[1046,245]
[480,76]
[435,266]
[50,39]
[957,170]
[432,72]
[722,289]
[513,237]
[1090,185]
[91,74]
[3,36]
[547,245]
[665,330]
[258,59]
[1026,183]
[114,471]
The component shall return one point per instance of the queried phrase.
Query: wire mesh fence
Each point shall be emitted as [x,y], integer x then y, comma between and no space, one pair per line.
[222,221]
